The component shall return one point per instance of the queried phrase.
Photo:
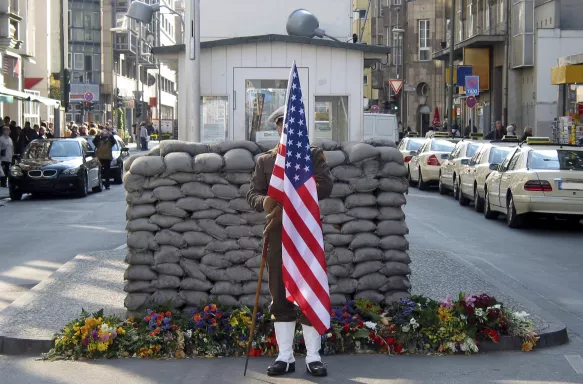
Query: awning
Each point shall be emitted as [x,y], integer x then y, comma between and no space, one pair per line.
[569,74]
[6,99]
[29,97]
[47,101]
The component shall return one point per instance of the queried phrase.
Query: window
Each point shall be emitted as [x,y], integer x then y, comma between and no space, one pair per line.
[397,53]
[78,64]
[413,145]
[215,118]
[470,17]
[96,21]
[397,2]
[362,13]
[565,160]
[486,15]
[442,145]
[497,155]
[262,98]
[97,62]
[501,11]
[424,46]
[331,120]
[78,19]
[88,35]
[69,60]
[365,80]
[88,62]
[472,149]
[121,21]
[514,163]
[87,21]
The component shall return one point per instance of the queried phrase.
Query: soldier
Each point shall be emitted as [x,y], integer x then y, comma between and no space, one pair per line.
[283,312]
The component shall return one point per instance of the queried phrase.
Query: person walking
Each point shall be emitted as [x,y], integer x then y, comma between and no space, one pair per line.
[527,133]
[26,136]
[496,134]
[283,312]
[104,144]
[144,136]
[6,153]
[510,130]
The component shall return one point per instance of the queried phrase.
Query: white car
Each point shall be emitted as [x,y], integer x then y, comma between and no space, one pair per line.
[423,169]
[453,165]
[472,177]
[537,178]
[408,146]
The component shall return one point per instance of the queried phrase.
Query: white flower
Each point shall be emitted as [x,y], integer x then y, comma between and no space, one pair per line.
[463,317]
[521,315]
[188,334]
[329,334]
[479,312]
[106,328]
[497,306]
[405,328]
[412,321]
[370,325]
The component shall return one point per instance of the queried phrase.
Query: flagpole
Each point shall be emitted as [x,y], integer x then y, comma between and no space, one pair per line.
[256,306]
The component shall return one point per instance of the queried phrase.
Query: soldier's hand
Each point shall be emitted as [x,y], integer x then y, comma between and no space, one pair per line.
[269,204]
[273,219]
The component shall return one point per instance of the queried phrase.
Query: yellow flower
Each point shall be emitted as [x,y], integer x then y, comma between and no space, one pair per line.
[102,347]
[121,331]
[66,330]
[131,319]
[233,322]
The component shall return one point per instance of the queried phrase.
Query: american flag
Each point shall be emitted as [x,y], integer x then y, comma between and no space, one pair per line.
[293,184]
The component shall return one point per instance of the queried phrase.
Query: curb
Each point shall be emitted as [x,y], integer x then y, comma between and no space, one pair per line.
[557,335]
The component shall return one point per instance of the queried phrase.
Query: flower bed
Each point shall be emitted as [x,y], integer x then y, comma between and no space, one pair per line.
[416,325]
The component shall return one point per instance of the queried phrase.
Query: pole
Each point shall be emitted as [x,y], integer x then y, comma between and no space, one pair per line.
[451,54]
[158,88]
[256,306]
[195,56]
[401,37]
[58,131]
[507,64]
[137,98]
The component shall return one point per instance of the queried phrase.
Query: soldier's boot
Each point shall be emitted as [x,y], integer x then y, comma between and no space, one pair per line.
[285,362]
[313,341]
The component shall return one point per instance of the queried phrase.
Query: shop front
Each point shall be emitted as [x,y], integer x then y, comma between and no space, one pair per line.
[568,75]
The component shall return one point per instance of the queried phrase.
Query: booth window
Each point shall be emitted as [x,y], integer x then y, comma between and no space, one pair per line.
[262,98]
[331,118]
[215,118]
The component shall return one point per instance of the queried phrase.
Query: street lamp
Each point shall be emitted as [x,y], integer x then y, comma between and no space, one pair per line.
[304,24]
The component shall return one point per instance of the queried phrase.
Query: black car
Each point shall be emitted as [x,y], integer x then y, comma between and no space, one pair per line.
[56,166]
[119,153]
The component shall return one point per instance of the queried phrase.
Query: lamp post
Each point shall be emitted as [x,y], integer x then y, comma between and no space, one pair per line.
[399,32]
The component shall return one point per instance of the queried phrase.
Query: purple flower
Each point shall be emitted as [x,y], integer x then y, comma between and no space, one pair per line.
[166,320]
[85,341]
[447,302]
[470,300]
[94,335]
[104,337]
[149,312]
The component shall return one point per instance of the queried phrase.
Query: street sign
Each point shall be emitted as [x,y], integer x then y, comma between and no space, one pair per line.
[472,85]
[471,101]
[409,88]
[396,85]
[88,96]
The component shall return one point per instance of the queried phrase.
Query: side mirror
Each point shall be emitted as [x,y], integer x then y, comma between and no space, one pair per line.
[90,154]
[494,166]
[465,161]
[414,153]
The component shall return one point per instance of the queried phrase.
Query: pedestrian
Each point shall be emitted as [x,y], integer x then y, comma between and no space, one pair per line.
[74,131]
[104,144]
[527,133]
[14,132]
[6,153]
[283,312]
[511,130]
[27,135]
[83,131]
[431,133]
[51,131]
[144,136]
[496,134]
[42,134]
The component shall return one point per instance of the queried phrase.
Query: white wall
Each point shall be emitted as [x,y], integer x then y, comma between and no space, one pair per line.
[222,19]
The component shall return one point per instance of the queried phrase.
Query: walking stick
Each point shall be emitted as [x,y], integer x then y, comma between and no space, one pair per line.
[255,308]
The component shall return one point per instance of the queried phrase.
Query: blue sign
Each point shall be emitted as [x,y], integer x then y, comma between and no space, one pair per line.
[462,72]
[472,85]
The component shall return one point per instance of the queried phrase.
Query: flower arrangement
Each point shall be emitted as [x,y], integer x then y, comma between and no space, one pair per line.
[415,325]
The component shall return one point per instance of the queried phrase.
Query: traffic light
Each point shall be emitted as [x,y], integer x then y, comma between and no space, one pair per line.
[118,99]
[67,87]
[139,109]
[395,103]
[91,106]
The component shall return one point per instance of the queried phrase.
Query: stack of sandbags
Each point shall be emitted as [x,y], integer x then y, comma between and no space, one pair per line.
[364,224]
[191,233]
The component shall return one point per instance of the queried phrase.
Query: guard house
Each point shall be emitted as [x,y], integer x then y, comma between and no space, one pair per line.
[244,79]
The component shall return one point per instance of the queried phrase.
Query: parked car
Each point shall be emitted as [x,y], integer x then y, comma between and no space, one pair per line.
[452,166]
[423,169]
[56,166]
[408,146]
[119,153]
[539,178]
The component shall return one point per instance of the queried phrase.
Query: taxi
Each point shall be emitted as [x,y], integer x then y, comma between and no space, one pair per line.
[455,162]
[408,146]
[538,177]
[423,168]
[472,178]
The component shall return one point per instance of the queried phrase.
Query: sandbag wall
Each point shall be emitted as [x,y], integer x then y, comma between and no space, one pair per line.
[192,235]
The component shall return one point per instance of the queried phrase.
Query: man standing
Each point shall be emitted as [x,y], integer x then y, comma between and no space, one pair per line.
[144,136]
[496,134]
[283,312]
[6,153]
[104,144]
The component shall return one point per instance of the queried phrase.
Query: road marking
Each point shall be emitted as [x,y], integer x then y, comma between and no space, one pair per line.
[425,196]
[576,362]
[120,247]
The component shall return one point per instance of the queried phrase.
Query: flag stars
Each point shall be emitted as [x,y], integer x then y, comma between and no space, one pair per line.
[301,111]
[306,168]
[299,144]
[296,178]
[288,164]
[294,86]
[298,155]
[297,167]
[307,157]
[301,122]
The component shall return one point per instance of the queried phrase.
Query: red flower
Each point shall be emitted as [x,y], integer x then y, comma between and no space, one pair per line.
[168,314]
[196,317]
[345,314]
[136,325]
[206,309]
[360,324]
[346,327]
[213,307]
[391,341]
[377,339]
[174,327]
[399,349]
[371,335]
[218,315]
[147,318]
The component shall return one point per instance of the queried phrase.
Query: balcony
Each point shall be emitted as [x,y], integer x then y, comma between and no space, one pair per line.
[479,40]
[125,42]
[10,25]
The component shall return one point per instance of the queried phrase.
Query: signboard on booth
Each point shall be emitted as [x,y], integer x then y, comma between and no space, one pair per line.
[472,86]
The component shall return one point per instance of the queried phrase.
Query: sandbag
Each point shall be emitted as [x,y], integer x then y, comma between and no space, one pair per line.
[253,218]
[213,273]
[219,204]
[395,255]
[163,221]
[147,166]
[142,241]
[194,252]
[364,240]
[265,275]
[328,247]
[208,163]
[230,219]
[344,285]
[338,299]
[331,278]
[194,298]
[267,145]
[239,256]
[373,296]
[141,224]
[177,162]
[129,161]
[391,227]
[366,268]
[134,257]
[372,281]
[169,208]
[363,213]
[344,270]
[331,206]
[393,184]
[140,211]
[337,219]
[249,300]
[238,160]
[358,226]
[359,151]
[391,213]
[168,237]
[240,273]
[338,239]
[330,229]
[391,199]
[327,145]
[391,155]
[192,149]
[341,190]
[360,200]
[364,184]
[186,226]
[238,177]
[222,246]
[133,183]
[244,190]
[192,269]
[215,260]
[393,169]
[339,256]
[394,242]
[155,182]
[197,238]
[166,282]
[240,205]
[225,146]
[192,204]
[138,286]
[197,189]
[139,273]
[368,254]
[165,296]
[250,287]
[169,193]
[238,231]
[154,151]
[394,268]
[252,243]
[167,254]
[225,191]
[370,168]
[254,262]
[227,288]
[396,283]
[144,197]
[395,296]
[169,269]
[258,230]
[183,177]
[346,172]
[334,158]
[192,284]
[213,229]
[135,301]
[212,178]
[207,214]
[378,142]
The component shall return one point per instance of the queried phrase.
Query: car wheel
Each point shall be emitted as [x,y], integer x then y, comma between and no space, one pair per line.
[118,178]
[441,187]
[411,182]
[456,190]
[478,201]
[99,186]
[14,194]
[83,187]
[512,219]
[488,213]
[422,185]
[464,201]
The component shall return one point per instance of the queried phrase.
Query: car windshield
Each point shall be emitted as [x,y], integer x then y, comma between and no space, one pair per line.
[497,155]
[53,149]
[472,149]
[413,145]
[442,146]
[556,159]
[90,141]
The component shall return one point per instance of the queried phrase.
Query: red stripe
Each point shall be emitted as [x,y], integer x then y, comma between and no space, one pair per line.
[304,305]
[304,231]
[276,194]
[282,149]
[278,172]
[305,270]
[309,202]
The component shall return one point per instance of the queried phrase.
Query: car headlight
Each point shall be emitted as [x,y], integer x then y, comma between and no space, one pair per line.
[16,172]
[71,171]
